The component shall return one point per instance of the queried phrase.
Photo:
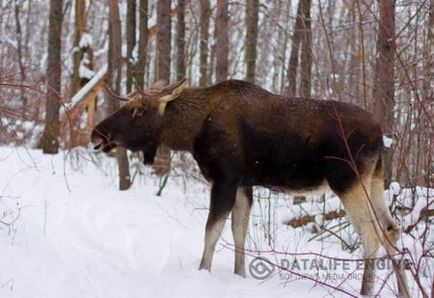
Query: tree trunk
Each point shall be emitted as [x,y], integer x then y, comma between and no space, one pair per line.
[426,132]
[161,164]
[252,11]
[114,78]
[353,68]
[130,30]
[302,36]
[163,40]
[50,136]
[78,53]
[143,43]
[283,38]
[222,39]
[306,53]
[180,41]
[295,45]
[205,14]
[383,89]
[20,59]
[82,58]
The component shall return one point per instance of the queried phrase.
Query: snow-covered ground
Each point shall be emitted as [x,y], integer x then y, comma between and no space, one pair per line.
[66,231]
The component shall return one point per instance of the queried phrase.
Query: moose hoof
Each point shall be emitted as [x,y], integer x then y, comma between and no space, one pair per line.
[241,273]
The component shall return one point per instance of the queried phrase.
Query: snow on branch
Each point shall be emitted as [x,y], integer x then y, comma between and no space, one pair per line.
[89,86]
[96,79]
[86,41]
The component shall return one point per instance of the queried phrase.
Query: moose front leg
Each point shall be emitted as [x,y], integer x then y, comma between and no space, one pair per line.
[222,200]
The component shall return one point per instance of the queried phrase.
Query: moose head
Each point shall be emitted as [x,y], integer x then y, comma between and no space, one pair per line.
[138,124]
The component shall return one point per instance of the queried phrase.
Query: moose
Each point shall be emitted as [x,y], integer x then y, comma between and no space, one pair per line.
[243,136]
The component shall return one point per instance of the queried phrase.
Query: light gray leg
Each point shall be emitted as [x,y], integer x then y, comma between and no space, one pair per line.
[214,228]
[390,231]
[359,211]
[222,200]
[240,225]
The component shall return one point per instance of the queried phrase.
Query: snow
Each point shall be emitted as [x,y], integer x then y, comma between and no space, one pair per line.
[102,51]
[85,90]
[395,188]
[85,73]
[135,54]
[28,125]
[387,141]
[71,233]
[86,41]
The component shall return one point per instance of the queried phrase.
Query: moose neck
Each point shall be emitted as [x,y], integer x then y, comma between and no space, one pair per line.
[184,117]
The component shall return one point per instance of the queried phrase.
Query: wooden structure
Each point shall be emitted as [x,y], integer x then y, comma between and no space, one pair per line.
[73,128]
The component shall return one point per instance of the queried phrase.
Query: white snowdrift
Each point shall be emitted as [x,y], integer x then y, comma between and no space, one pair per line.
[78,236]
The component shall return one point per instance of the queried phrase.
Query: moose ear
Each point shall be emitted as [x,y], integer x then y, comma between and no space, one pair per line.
[174,92]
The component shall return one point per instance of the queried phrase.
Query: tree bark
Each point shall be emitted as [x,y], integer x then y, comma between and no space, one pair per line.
[114,78]
[222,40]
[302,36]
[161,164]
[82,57]
[205,14]
[353,68]
[20,59]
[143,43]
[130,30]
[306,52]
[163,40]
[252,11]
[383,89]
[50,136]
[295,46]
[426,133]
[283,44]
[78,53]
[180,41]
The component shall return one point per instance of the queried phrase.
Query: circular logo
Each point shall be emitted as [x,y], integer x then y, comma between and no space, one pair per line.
[261,268]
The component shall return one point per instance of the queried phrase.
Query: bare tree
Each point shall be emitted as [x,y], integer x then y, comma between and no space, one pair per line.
[429,55]
[20,57]
[283,11]
[302,36]
[383,89]
[50,136]
[205,14]
[252,11]
[143,43]
[295,45]
[180,41]
[82,71]
[222,41]
[306,53]
[114,78]
[78,52]
[161,164]
[163,40]
[130,29]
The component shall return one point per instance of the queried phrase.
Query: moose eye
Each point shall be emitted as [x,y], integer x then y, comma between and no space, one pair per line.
[137,112]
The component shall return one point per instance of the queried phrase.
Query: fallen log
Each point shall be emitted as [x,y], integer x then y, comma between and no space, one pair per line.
[297,222]
[424,215]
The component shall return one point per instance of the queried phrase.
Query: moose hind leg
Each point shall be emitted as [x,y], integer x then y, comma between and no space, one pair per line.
[390,229]
[222,201]
[357,207]
[240,225]
[382,212]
